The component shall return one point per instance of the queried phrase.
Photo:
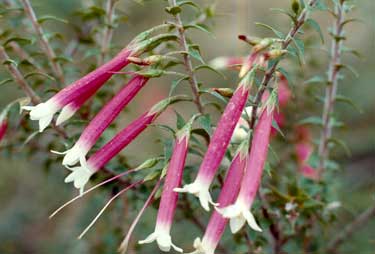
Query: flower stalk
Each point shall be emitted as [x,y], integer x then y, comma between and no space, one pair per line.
[44,44]
[332,83]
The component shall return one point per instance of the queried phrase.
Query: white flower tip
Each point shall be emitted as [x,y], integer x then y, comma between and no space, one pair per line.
[74,155]
[200,191]
[163,240]
[43,112]
[236,223]
[239,215]
[79,176]
[201,248]
[66,113]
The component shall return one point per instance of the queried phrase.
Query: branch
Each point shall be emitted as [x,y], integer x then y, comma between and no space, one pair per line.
[18,77]
[187,60]
[270,72]
[45,46]
[332,84]
[349,229]
[108,31]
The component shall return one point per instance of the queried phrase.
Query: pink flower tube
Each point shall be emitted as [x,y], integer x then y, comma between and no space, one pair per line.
[103,119]
[90,83]
[84,87]
[169,198]
[3,128]
[304,149]
[219,143]
[81,174]
[239,212]
[227,196]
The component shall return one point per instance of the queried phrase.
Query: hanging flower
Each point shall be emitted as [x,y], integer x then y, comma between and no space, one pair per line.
[227,196]
[103,119]
[3,126]
[239,212]
[81,174]
[169,198]
[304,149]
[90,83]
[219,143]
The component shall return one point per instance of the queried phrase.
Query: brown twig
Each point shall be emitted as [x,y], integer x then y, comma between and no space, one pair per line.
[350,229]
[270,72]
[44,44]
[18,77]
[332,84]
[108,31]
[187,59]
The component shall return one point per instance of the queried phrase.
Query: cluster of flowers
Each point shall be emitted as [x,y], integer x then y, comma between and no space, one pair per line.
[244,174]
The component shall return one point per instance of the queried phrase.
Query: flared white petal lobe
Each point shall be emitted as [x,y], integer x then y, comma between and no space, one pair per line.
[66,113]
[202,248]
[239,214]
[251,220]
[163,239]
[201,191]
[43,112]
[75,154]
[79,176]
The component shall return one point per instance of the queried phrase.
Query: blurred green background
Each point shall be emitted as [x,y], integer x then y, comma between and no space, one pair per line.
[28,194]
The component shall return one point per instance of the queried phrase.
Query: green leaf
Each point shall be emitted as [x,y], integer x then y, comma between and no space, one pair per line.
[31,74]
[205,122]
[195,53]
[180,121]
[277,128]
[206,66]
[350,69]
[287,76]
[175,83]
[19,40]
[315,120]
[282,11]
[5,81]
[315,79]
[190,3]
[300,45]
[316,27]
[168,147]
[215,94]
[341,144]
[173,10]
[278,33]
[347,100]
[200,27]
[45,18]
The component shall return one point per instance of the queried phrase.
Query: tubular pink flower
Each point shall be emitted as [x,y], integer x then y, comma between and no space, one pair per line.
[81,174]
[248,63]
[3,128]
[239,212]
[89,84]
[169,198]
[86,87]
[227,196]
[219,143]
[304,149]
[103,119]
